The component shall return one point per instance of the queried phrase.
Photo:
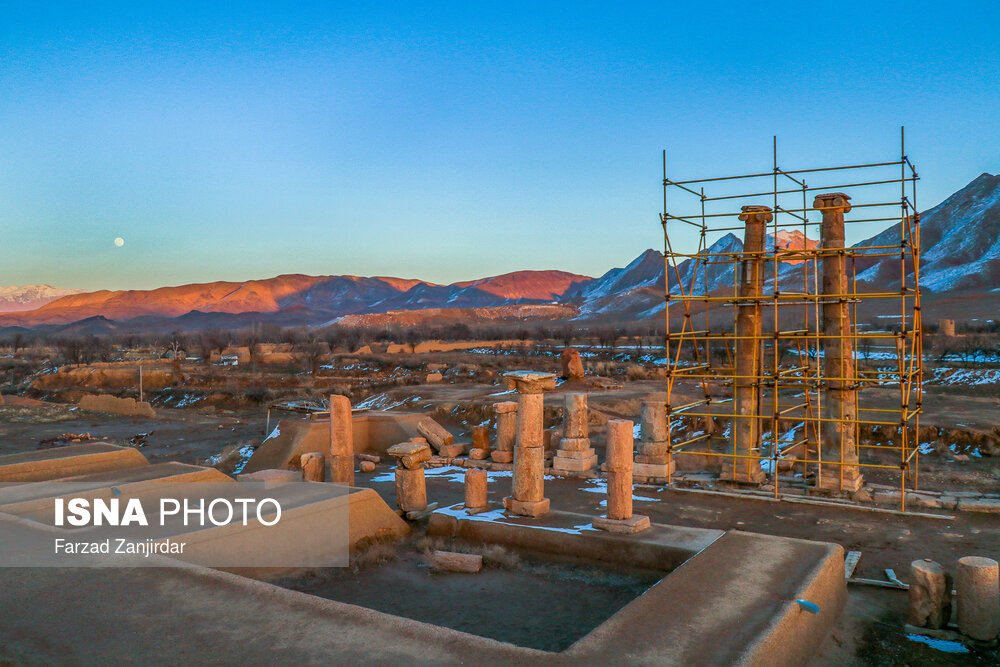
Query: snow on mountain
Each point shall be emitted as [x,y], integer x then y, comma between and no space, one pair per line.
[646,270]
[637,290]
[28,297]
[304,298]
[959,239]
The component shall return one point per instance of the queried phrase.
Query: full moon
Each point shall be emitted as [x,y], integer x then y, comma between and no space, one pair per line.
[119,242]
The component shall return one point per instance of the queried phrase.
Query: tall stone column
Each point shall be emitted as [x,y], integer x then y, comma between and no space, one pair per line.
[574,453]
[746,386]
[839,438]
[503,449]
[653,459]
[528,494]
[619,466]
[341,441]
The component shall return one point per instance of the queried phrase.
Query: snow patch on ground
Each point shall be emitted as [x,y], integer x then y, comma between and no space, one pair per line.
[601,486]
[943,645]
[500,516]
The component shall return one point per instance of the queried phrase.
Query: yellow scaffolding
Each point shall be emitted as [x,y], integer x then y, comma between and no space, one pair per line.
[791,377]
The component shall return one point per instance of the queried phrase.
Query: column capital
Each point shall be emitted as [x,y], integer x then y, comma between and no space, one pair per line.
[836,201]
[755,213]
[529,382]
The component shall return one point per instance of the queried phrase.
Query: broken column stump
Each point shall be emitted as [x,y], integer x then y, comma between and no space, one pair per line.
[653,459]
[930,595]
[571,366]
[503,448]
[411,489]
[476,481]
[574,453]
[313,467]
[411,485]
[619,466]
[978,597]
[480,443]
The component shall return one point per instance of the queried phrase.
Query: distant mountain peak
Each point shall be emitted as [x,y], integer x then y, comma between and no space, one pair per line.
[15,298]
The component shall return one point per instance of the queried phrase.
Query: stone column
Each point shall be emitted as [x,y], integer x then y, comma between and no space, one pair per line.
[574,452]
[411,489]
[978,597]
[838,443]
[503,450]
[475,490]
[411,485]
[653,459]
[746,387]
[313,467]
[528,494]
[341,441]
[619,466]
[930,595]
[480,443]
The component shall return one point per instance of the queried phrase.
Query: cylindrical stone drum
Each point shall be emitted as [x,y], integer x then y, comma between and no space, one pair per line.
[313,467]
[475,488]
[654,418]
[529,474]
[480,437]
[575,416]
[506,426]
[978,598]
[530,420]
[620,445]
[411,489]
[620,495]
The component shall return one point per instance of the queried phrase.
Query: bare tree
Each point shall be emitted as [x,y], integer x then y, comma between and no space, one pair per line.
[312,353]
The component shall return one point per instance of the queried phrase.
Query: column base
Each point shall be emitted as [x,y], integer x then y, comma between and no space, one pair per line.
[502,456]
[476,510]
[526,507]
[565,464]
[743,474]
[635,524]
[852,483]
[574,454]
[574,444]
[653,469]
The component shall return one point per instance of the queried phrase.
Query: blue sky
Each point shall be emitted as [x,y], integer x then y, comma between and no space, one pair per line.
[446,141]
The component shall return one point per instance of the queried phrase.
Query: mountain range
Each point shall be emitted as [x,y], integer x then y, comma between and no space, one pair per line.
[960,269]
[29,297]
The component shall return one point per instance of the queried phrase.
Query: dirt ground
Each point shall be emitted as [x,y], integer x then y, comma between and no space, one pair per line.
[187,436]
[572,597]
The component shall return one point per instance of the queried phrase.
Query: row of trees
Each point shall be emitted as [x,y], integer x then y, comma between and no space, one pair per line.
[87,348]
